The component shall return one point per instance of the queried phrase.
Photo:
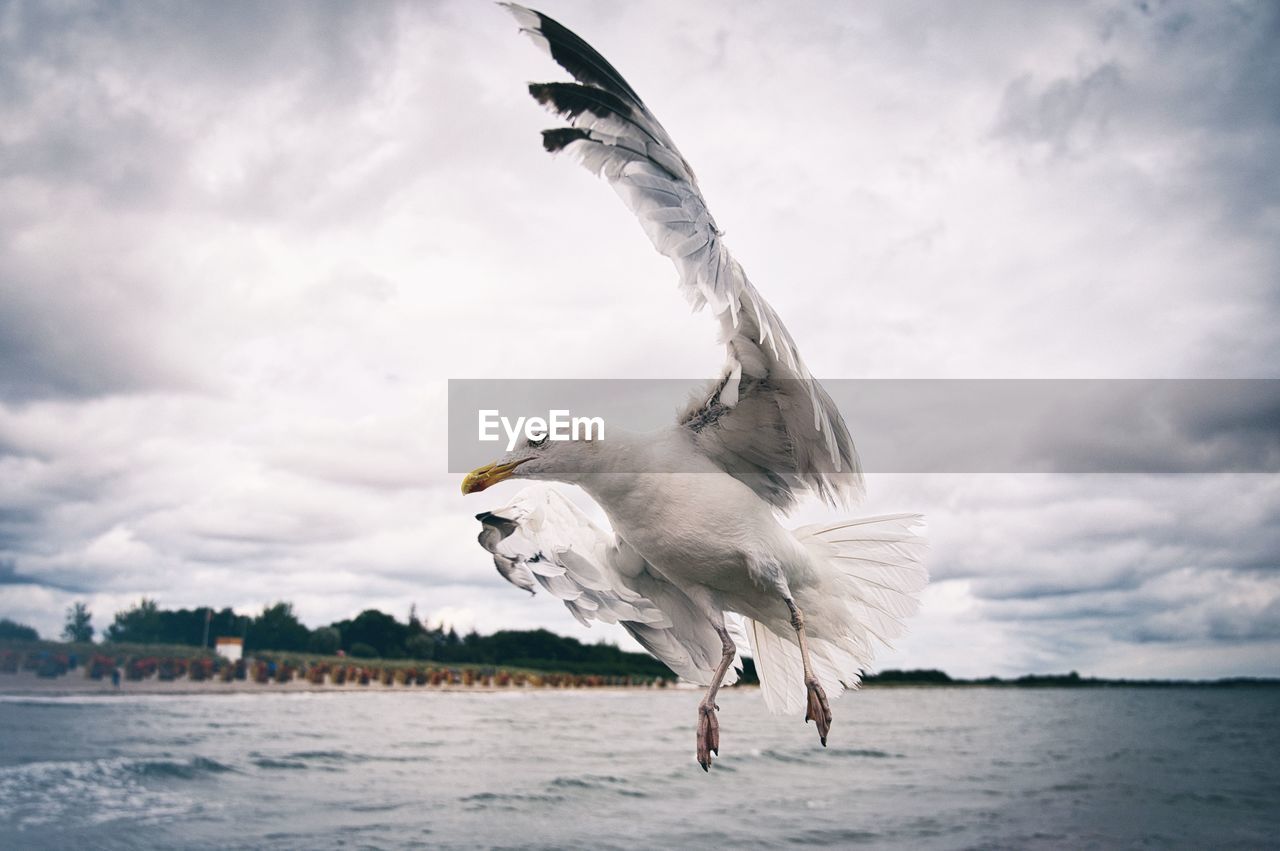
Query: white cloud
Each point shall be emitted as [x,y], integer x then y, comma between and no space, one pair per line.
[243,250]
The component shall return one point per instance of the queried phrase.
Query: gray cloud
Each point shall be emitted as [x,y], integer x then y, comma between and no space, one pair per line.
[1066,114]
[1162,560]
[242,246]
[9,575]
[1220,117]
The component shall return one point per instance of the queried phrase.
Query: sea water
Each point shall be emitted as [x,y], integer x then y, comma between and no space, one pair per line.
[906,767]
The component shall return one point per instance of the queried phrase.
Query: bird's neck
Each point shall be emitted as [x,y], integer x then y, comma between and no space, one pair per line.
[609,473]
[619,452]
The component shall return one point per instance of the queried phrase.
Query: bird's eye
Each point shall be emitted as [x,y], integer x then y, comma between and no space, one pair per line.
[534,444]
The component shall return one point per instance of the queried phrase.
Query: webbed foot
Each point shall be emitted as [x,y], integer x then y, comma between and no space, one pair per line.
[708,734]
[819,710]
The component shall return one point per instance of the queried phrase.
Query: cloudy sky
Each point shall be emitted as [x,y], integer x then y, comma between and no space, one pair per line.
[244,246]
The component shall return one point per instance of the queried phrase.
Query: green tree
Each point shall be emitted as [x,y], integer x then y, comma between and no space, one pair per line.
[14,631]
[421,646]
[415,626]
[139,623]
[326,640]
[379,630]
[225,623]
[147,623]
[360,650]
[79,626]
[277,628]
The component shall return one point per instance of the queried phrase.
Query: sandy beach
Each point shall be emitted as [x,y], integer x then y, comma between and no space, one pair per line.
[27,683]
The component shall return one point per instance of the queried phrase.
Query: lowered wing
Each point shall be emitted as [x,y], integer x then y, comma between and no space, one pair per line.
[543,538]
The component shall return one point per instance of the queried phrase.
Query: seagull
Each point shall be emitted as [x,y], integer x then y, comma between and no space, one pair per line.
[697,565]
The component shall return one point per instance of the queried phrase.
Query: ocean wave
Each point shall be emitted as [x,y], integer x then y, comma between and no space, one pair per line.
[807,755]
[508,800]
[603,782]
[864,753]
[837,836]
[94,792]
[286,764]
[333,756]
[167,769]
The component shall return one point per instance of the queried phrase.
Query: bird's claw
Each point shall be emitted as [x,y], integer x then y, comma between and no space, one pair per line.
[708,735]
[819,711]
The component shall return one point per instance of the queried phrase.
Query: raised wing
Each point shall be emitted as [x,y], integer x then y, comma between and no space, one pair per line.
[544,538]
[767,421]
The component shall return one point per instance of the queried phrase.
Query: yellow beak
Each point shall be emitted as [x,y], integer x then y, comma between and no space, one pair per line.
[488,475]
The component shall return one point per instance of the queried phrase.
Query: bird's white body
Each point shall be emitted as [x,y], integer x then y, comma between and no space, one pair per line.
[665,516]
[697,543]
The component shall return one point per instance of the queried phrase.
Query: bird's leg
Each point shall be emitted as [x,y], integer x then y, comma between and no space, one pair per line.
[708,724]
[819,710]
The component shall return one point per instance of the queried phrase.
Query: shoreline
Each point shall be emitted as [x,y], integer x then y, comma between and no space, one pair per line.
[74,684]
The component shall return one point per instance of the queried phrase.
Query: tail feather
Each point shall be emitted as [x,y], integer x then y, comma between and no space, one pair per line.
[779,668]
[871,572]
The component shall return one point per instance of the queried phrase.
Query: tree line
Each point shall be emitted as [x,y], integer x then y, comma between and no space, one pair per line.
[372,634]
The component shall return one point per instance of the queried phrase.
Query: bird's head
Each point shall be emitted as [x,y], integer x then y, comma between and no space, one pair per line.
[545,459]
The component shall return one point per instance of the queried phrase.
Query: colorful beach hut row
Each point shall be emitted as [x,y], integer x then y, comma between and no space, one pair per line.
[268,671]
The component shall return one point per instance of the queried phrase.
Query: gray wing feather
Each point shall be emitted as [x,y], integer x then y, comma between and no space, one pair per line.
[512,569]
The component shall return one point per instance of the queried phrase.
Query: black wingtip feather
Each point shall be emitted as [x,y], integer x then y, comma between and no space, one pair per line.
[561,137]
[573,99]
[581,60]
